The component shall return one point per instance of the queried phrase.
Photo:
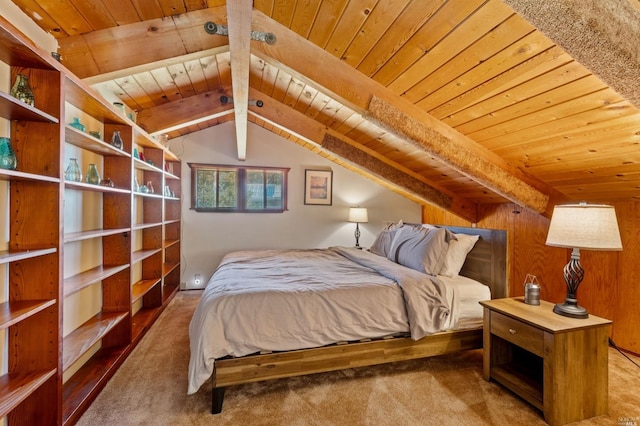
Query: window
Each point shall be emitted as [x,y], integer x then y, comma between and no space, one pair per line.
[219,188]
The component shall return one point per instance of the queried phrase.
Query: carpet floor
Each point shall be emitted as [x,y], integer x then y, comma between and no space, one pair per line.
[150,389]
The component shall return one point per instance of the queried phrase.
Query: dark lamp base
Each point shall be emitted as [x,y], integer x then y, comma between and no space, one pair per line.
[573,311]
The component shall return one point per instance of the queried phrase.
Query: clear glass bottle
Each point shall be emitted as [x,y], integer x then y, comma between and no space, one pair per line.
[93,177]
[116,139]
[8,158]
[72,172]
[22,91]
[150,187]
[120,107]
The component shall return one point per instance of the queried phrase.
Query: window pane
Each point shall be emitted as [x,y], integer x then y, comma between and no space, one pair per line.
[274,190]
[206,188]
[228,189]
[255,189]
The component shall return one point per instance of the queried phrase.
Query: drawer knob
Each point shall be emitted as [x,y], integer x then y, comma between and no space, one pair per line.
[512,331]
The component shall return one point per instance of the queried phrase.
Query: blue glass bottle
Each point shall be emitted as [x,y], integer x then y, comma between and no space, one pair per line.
[8,159]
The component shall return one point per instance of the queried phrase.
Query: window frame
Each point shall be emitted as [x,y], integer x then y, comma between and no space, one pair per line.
[241,189]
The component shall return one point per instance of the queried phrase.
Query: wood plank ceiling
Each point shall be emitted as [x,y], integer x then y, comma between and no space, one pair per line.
[451,102]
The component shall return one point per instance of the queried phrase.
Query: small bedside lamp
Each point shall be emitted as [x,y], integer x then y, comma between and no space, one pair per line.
[581,226]
[358,215]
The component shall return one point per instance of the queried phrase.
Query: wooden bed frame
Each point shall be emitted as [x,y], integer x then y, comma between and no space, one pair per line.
[486,263]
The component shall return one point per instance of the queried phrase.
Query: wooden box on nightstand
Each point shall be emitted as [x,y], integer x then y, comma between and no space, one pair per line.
[558,364]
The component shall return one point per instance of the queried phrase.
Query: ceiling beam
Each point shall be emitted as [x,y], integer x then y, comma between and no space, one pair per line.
[136,46]
[239,16]
[376,166]
[183,113]
[331,75]
[601,35]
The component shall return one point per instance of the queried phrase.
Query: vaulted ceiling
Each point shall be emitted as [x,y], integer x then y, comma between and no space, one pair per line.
[455,103]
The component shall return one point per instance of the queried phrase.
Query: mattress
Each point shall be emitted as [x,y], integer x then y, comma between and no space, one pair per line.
[464,301]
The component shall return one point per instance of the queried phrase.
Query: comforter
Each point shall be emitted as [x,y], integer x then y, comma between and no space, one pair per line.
[278,300]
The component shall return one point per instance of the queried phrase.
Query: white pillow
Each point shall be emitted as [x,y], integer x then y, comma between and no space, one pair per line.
[457,254]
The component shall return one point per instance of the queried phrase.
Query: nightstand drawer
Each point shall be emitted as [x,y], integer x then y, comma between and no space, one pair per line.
[518,333]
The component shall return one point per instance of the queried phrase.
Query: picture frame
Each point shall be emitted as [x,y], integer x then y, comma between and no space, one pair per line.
[318,187]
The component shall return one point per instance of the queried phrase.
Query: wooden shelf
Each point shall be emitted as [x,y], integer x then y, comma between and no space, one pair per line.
[83,97]
[169,243]
[16,175]
[88,381]
[96,188]
[13,312]
[38,199]
[84,279]
[143,139]
[168,267]
[14,109]
[141,165]
[86,141]
[144,194]
[94,233]
[141,288]
[140,226]
[526,386]
[88,334]
[14,256]
[140,255]
[168,175]
[142,321]
[15,388]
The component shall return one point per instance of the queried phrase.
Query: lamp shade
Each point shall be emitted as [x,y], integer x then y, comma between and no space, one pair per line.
[584,226]
[358,215]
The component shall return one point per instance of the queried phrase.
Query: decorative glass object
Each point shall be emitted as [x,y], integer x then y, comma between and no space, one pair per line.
[107,182]
[96,134]
[135,153]
[77,124]
[136,185]
[93,177]
[120,107]
[144,189]
[8,159]
[150,187]
[116,139]
[73,173]
[22,91]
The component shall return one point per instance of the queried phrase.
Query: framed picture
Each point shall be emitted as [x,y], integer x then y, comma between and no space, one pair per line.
[318,187]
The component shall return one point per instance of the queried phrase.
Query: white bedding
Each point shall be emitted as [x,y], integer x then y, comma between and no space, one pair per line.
[278,300]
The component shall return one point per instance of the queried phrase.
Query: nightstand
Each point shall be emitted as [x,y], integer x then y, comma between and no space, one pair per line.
[556,363]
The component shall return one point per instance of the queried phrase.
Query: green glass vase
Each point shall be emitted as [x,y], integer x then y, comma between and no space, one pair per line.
[92,176]
[8,159]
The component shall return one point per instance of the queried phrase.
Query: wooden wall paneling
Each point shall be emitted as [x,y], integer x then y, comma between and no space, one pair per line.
[609,289]
[626,332]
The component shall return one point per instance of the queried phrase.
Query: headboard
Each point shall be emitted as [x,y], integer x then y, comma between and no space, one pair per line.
[487,261]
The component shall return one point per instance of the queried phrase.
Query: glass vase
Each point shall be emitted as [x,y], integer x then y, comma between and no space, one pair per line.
[73,173]
[77,124]
[22,91]
[93,177]
[8,159]
[150,187]
[116,139]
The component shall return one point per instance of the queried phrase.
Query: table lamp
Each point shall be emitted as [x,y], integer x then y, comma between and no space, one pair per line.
[581,226]
[358,215]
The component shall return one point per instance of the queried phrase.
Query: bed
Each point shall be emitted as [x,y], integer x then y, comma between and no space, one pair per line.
[280,320]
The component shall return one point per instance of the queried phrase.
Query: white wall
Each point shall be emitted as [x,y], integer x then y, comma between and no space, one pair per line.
[207,237]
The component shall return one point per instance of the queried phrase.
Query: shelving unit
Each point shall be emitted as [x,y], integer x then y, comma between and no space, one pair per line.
[59,359]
